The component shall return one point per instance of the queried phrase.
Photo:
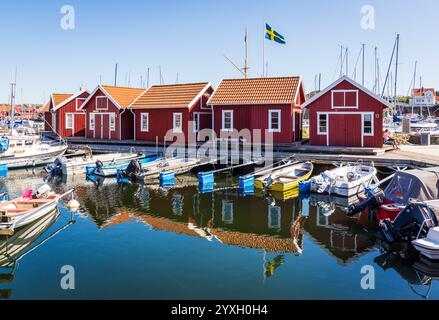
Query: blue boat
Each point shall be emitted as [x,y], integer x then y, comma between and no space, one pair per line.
[110,170]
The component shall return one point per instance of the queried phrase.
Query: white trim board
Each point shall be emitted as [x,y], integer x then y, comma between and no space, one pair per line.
[359,86]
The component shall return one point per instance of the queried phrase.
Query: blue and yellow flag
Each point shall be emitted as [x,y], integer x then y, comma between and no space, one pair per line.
[272,35]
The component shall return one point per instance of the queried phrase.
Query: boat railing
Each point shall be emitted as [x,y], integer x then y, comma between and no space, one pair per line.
[422,227]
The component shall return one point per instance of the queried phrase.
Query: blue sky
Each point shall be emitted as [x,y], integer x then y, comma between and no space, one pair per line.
[190,37]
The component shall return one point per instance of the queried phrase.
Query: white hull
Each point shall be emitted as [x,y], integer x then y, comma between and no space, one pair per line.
[32,157]
[336,182]
[78,166]
[178,166]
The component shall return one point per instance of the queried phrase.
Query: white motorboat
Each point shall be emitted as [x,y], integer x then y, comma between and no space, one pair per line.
[21,151]
[177,165]
[79,165]
[428,246]
[24,210]
[110,170]
[345,181]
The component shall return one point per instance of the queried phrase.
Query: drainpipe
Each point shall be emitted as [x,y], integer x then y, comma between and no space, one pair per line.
[135,124]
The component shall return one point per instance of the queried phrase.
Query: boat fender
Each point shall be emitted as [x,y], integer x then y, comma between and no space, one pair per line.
[73,205]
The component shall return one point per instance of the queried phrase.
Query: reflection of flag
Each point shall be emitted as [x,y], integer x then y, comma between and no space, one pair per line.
[272,35]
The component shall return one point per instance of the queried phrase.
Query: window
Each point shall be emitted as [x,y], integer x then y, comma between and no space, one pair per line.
[344,99]
[144,122]
[92,121]
[227,124]
[178,127]
[101,103]
[322,124]
[112,122]
[196,122]
[69,121]
[274,217]
[79,103]
[227,211]
[368,124]
[274,120]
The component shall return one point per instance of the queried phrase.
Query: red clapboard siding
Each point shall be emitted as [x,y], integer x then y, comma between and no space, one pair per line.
[72,108]
[345,124]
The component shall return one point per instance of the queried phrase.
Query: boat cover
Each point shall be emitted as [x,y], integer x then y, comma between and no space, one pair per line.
[417,184]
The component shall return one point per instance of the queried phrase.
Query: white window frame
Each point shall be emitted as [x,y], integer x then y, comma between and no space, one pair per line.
[142,116]
[344,95]
[78,108]
[176,129]
[276,210]
[270,120]
[90,122]
[101,97]
[363,116]
[223,128]
[112,127]
[319,131]
[196,121]
[72,115]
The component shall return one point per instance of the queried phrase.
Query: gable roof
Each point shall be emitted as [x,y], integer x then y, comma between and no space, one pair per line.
[171,96]
[276,90]
[71,98]
[45,107]
[359,86]
[121,97]
[419,92]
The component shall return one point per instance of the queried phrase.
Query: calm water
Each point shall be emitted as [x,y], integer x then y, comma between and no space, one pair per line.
[139,242]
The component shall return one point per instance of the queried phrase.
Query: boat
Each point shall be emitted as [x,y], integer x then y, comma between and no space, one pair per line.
[429,246]
[178,166]
[77,166]
[263,178]
[19,212]
[291,176]
[345,180]
[23,151]
[406,186]
[110,170]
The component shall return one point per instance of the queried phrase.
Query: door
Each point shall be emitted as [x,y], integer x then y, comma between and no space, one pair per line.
[98,126]
[106,127]
[79,125]
[345,130]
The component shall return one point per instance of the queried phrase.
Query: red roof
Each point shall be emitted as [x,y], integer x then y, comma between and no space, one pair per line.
[419,92]
[278,90]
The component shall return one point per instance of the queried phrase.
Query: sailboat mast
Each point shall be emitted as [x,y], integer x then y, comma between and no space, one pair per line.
[363,65]
[396,65]
[246,56]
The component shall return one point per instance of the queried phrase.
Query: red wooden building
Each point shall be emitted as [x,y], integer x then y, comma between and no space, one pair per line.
[272,105]
[171,109]
[49,115]
[107,116]
[346,114]
[69,117]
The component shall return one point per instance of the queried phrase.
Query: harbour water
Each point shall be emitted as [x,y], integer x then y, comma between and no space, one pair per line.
[141,242]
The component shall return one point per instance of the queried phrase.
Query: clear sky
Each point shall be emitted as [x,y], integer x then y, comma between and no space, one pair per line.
[190,37]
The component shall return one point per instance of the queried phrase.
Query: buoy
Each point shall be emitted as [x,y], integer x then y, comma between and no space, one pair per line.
[73,205]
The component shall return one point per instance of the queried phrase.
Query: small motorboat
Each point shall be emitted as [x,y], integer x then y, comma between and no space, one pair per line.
[264,177]
[406,186]
[428,246]
[135,170]
[412,224]
[19,212]
[289,177]
[110,170]
[62,166]
[345,180]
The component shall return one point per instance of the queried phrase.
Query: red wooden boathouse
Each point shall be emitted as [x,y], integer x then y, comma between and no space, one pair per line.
[272,105]
[107,116]
[346,114]
[170,109]
[63,114]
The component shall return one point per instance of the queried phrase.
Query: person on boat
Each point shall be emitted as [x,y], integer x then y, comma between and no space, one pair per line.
[390,139]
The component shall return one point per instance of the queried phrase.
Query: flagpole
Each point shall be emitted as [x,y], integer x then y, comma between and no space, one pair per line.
[263,50]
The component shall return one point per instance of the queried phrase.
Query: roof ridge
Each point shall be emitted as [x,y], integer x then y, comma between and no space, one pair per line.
[121,87]
[178,84]
[261,78]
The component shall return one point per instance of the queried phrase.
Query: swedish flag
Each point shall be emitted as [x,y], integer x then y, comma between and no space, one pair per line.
[272,35]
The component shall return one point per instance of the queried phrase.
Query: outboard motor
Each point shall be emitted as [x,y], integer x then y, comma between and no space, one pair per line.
[43,192]
[56,168]
[375,198]
[408,224]
[134,167]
